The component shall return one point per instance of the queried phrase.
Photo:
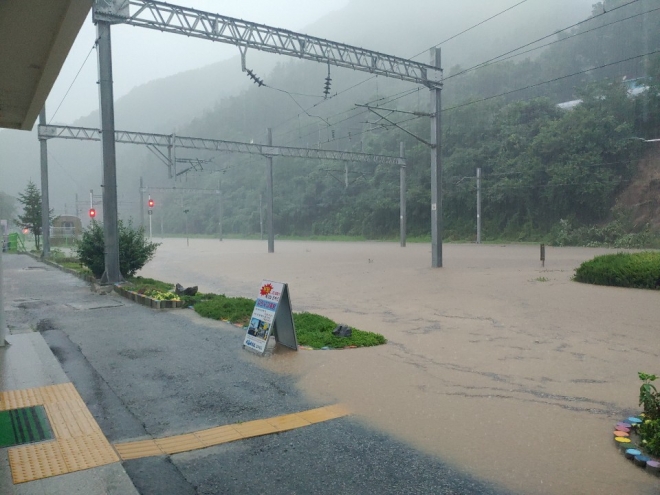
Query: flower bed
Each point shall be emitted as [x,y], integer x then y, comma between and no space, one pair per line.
[155,299]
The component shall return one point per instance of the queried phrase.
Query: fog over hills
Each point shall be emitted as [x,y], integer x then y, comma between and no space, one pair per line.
[173,103]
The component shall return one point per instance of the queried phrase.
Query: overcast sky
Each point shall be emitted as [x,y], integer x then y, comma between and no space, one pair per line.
[141,55]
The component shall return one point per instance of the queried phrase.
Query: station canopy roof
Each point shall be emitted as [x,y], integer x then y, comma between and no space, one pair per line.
[35,39]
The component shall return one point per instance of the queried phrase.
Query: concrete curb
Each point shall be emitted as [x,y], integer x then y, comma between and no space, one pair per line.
[83,276]
[130,295]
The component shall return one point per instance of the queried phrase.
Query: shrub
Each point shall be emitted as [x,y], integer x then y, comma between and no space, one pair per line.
[649,430]
[134,249]
[636,270]
[614,234]
[649,397]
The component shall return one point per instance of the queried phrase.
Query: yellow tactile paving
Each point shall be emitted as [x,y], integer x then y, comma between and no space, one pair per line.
[79,443]
[228,433]
[256,428]
[288,422]
[36,461]
[179,443]
[87,451]
[218,435]
[15,399]
[321,414]
[137,450]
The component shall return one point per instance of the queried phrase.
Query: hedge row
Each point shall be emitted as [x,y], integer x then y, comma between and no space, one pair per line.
[636,270]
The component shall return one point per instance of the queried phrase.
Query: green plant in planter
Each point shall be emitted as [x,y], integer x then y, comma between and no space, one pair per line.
[649,397]
[649,430]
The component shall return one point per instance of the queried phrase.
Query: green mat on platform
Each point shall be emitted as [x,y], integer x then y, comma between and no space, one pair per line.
[25,425]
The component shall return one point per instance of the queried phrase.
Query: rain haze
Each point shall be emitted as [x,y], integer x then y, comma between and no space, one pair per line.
[476,362]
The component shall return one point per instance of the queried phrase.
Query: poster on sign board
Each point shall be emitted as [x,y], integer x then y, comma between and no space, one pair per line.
[271,316]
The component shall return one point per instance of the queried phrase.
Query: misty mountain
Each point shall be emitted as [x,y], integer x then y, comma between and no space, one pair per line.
[192,102]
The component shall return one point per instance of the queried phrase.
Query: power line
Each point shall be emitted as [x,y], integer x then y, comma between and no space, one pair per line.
[549,81]
[471,28]
[73,82]
[491,61]
[373,77]
[503,57]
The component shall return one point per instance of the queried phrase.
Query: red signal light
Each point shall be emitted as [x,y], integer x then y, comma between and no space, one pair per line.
[151,203]
[92,213]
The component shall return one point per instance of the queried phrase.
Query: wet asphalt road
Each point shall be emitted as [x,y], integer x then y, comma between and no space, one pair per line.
[145,373]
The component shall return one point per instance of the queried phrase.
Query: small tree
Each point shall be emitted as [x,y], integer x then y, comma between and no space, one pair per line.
[31,217]
[134,249]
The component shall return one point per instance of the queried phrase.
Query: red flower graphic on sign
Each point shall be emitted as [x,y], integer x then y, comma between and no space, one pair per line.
[266,289]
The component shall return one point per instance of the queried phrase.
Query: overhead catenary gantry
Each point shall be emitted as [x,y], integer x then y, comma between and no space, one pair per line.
[244,34]
[173,142]
[207,144]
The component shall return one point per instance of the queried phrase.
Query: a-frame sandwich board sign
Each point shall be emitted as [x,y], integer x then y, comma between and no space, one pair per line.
[272,314]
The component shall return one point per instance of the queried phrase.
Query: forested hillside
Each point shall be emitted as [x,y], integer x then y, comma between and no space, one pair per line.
[541,164]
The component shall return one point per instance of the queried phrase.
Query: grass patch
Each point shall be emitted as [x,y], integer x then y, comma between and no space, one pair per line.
[316,331]
[142,285]
[221,307]
[311,329]
[541,279]
[635,270]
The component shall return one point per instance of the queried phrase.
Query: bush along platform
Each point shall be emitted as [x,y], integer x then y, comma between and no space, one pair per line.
[152,299]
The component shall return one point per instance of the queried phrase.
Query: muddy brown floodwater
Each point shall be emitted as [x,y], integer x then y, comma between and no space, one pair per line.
[507,370]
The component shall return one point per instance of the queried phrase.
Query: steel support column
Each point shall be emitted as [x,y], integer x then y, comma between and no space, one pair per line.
[3,323]
[45,203]
[106,99]
[479,205]
[220,211]
[269,197]
[402,198]
[141,203]
[436,167]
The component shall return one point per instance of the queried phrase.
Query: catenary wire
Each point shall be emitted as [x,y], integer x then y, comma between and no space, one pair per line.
[73,82]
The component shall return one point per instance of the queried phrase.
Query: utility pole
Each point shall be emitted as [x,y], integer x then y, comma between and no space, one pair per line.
[3,323]
[220,212]
[151,214]
[345,175]
[111,275]
[402,198]
[45,206]
[187,238]
[269,198]
[261,216]
[77,209]
[479,205]
[141,203]
[436,167]
[171,154]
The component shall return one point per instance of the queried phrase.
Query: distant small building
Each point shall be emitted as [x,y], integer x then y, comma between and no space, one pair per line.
[66,227]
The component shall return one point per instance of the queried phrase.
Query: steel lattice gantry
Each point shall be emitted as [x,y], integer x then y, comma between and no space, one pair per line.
[244,34]
[172,142]
[168,140]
